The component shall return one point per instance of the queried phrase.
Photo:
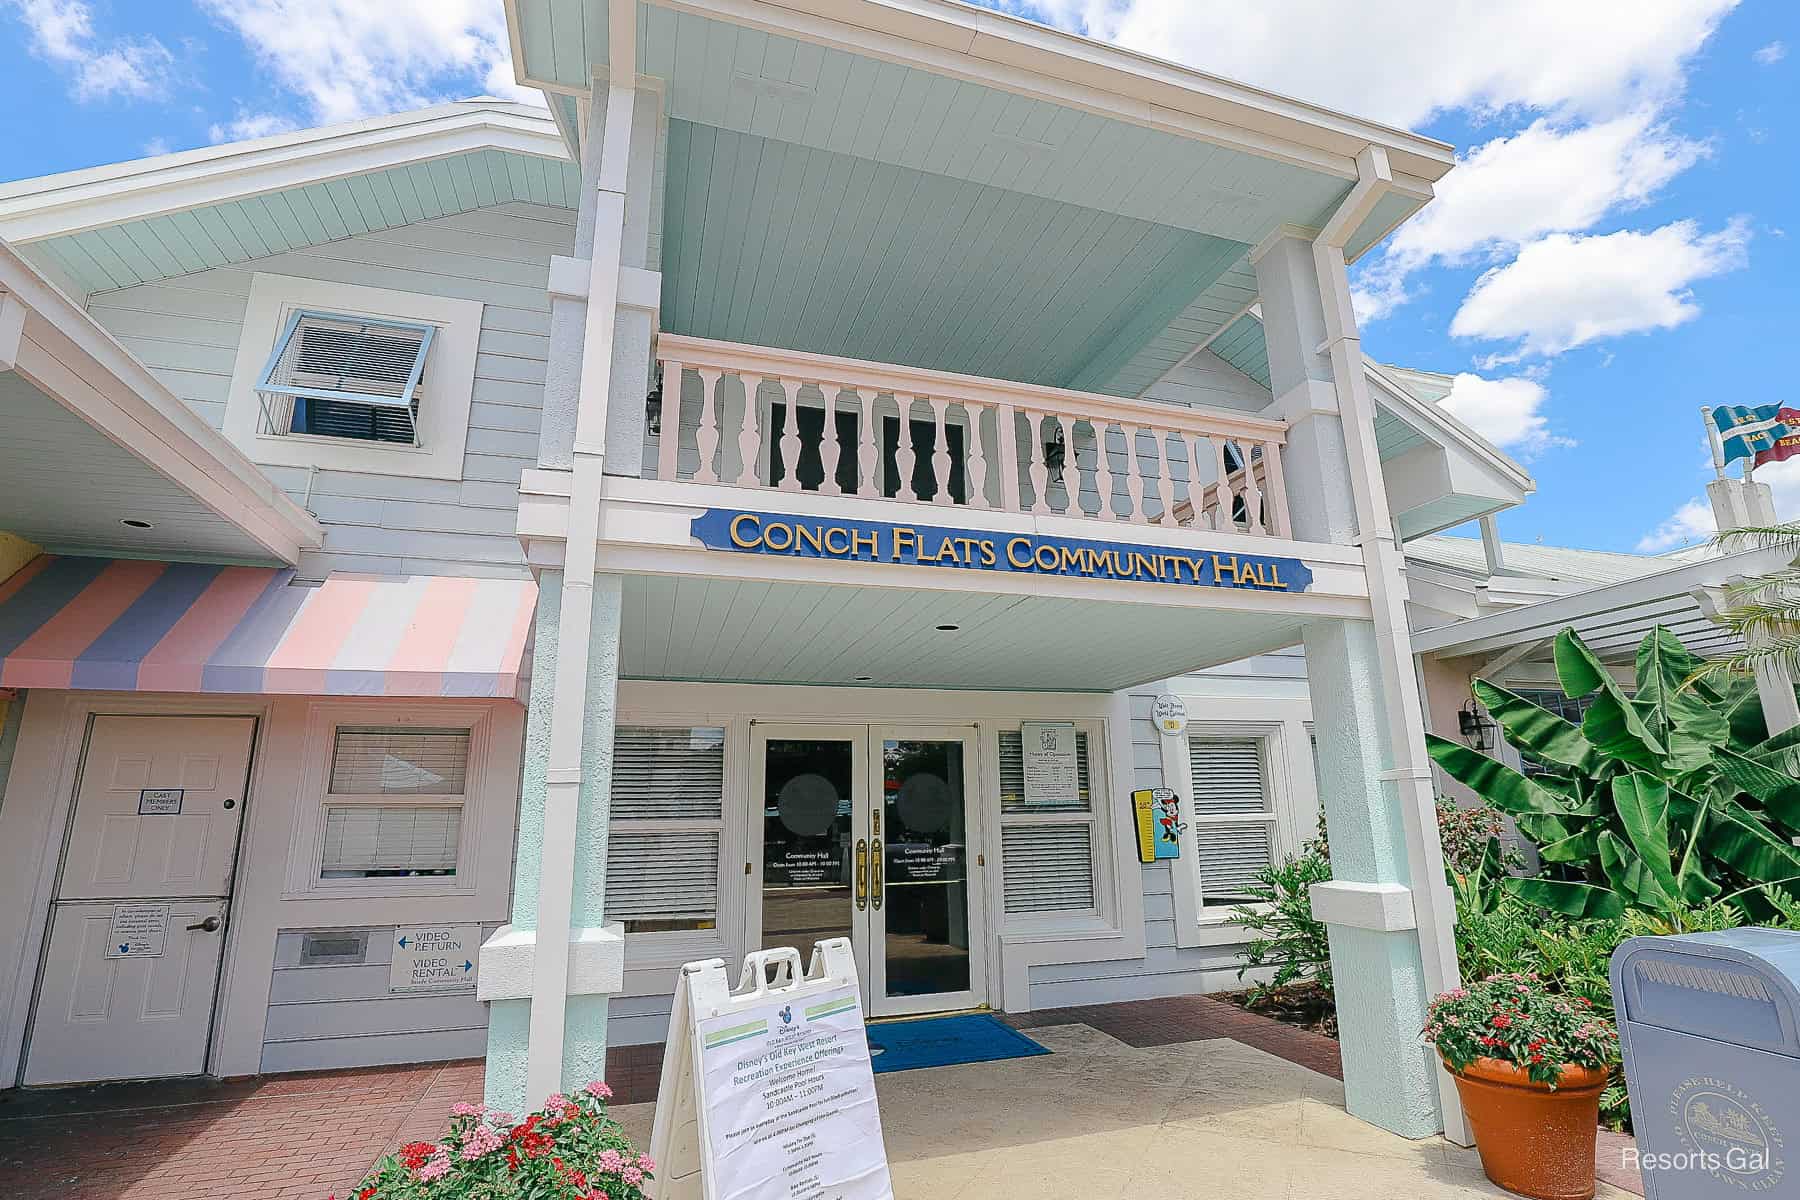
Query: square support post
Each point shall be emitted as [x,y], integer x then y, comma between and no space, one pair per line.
[1388,907]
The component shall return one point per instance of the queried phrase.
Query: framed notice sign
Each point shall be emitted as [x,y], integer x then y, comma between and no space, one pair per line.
[1052,775]
[767,1092]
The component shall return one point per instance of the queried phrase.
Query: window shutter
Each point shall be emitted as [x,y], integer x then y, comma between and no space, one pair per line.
[668,774]
[362,839]
[1049,868]
[662,876]
[400,762]
[1012,777]
[345,376]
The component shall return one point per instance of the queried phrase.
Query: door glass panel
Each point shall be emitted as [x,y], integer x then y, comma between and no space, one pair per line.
[808,843]
[925,886]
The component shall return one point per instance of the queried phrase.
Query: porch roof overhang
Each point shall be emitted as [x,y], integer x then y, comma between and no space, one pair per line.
[89,438]
[1613,619]
[698,614]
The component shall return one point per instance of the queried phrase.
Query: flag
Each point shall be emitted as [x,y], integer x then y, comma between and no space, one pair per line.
[1745,431]
[1786,446]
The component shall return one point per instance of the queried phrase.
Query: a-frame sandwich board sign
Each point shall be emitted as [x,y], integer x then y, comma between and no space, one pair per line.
[767,1091]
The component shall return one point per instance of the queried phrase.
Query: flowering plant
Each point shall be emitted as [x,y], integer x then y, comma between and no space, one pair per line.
[1515,1019]
[568,1150]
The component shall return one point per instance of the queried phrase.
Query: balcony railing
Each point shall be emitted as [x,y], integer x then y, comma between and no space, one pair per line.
[754,417]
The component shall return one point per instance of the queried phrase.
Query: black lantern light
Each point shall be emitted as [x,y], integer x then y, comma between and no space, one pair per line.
[1475,727]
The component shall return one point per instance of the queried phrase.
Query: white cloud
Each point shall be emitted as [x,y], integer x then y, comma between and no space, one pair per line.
[356,58]
[156,147]
[1691,522]
[1770,54]
[248,125]
[1388,60]
[1507,412]
[1564,291]
[62,32]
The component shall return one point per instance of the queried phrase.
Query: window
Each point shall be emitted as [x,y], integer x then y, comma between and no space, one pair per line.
[1047,849]
[1554,701]
[352,378]
[1233,819]
[668,812]
[340,376]
[394,803]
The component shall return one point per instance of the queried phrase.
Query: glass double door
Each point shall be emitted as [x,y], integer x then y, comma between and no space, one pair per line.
[869,833]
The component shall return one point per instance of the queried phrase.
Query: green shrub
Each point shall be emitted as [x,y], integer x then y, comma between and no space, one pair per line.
[1287,935]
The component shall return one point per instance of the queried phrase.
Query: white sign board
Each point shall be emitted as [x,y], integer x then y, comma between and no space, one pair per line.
[138,931]
[1169,713]
[434,958]
[1052,777]
[767,1092]
[160,802]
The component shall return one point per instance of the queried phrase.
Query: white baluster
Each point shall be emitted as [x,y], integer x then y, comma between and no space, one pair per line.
[829,450]
[868,444]
[1277,490]
[1165,478]
[750,433]
[668,442]
[707,438]
[1134,473]
[790,437]
[1227,499]
[1253,513]
[940,454]
[1006,445]
[974,459]
[1040,472]
[1103,472]
[1069,473]
[904,458]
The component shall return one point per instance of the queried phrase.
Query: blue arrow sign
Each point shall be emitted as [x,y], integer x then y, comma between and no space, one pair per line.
[467,966]
[403,942]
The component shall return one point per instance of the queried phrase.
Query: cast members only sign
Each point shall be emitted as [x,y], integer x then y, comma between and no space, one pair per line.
[990,550]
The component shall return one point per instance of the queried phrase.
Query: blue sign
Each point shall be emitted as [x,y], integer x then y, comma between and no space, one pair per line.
[988,550]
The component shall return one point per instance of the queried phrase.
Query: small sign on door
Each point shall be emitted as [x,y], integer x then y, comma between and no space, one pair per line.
[138,931]
[433,958]
[160,802]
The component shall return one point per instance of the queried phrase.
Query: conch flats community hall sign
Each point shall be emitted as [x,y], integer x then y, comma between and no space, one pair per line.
[987,550]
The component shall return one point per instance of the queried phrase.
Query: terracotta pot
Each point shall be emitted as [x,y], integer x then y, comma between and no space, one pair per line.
[1533,1141]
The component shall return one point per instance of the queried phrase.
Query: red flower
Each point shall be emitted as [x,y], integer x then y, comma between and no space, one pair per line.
[365,1194]
[414,1154]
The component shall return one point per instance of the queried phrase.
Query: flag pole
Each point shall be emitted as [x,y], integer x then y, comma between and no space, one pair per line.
[1712,441]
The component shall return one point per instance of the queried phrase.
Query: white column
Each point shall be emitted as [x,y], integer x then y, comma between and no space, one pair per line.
[1741,504]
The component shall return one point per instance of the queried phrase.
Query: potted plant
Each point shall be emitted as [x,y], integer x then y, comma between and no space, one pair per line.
[568,1150]
[1530,1066]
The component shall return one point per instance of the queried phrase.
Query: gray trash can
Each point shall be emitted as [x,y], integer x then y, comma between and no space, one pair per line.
[1710,1028]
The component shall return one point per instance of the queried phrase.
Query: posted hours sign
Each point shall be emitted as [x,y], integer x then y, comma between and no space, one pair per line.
[767,1092]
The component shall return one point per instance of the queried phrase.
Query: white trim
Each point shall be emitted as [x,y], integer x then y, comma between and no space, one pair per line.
[1381,907]
[58,205]
[69,357]
[445,394]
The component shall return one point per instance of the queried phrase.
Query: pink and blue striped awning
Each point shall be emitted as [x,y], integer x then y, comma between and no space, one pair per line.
[106,624]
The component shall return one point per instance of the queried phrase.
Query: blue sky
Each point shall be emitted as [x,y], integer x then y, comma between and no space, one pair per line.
[1620,246]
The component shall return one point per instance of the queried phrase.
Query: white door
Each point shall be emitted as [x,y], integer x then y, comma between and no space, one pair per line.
[869,834]
[137,929]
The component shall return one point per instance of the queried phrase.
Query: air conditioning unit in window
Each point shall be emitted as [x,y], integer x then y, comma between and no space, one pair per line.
[338,376]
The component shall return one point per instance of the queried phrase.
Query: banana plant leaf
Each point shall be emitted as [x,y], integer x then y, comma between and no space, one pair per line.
[1495,782]
[1778,794]
[1537,731]
[1779,753]
[1579,900]
[1580,847]
[1612,726]
[1629,875]
[1741,841]
[1689,722]
[1642,804]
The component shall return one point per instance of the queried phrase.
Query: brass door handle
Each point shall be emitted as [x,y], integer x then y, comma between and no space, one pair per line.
[210,925]
[862,874]
[875,872]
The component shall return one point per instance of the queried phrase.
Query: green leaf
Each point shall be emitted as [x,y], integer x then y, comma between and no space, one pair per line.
[1642,803]
[1577,670]
[1779,753]
[1630,876]
[1612,725]
[1778,794]
[1495,782]
[1737,838]
[1535,730]
[1687,722]
[1579,900]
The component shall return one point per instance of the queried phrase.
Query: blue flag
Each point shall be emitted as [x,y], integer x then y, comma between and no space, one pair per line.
[1745,431]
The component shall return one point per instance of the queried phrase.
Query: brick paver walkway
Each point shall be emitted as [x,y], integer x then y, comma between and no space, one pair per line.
[302,1137]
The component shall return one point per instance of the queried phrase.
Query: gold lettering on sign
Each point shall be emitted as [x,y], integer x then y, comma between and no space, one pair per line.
[905,539]
[778,529]
[865,540]
[1013,546]
[842,547]
[1224,563]
[814,536]
[737,536]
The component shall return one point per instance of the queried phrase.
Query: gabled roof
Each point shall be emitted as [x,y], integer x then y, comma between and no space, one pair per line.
[1559,564]
[134,222]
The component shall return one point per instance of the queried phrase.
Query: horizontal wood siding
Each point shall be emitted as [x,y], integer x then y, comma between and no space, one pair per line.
[186,329]
[1165,969]
[1210,382]
[342,1015]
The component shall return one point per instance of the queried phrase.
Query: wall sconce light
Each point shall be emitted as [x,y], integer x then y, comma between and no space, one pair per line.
[653,409]
[1475,727]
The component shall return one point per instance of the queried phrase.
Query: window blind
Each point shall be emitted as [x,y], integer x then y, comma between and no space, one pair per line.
[668,796]
[400,762]
[1230,855]
[1233,824]
[390,840]
[346,376]
[1228,776]
[672,876]
[1049,868]
[668,773]
[1012,777]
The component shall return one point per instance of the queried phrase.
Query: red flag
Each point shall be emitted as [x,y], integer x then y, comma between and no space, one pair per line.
[1788,446]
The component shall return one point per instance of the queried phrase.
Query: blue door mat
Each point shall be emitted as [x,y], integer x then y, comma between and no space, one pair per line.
[945,1042]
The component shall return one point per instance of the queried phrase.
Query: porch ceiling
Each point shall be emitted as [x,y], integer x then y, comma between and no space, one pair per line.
[726,630]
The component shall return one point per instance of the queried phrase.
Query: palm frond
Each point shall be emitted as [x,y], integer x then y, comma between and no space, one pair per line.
[1759,537]
[1784,651]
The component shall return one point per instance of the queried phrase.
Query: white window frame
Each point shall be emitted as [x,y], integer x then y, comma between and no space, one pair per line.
[1283,728]
[446,393]
[672,947]
[489,796]
[1102,918]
